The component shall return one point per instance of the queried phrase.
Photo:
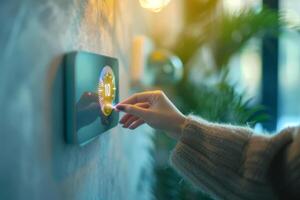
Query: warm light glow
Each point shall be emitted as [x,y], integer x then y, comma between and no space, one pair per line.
[106,90]
[154,5]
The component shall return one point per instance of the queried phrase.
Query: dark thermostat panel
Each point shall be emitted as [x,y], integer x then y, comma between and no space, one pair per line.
[91,91]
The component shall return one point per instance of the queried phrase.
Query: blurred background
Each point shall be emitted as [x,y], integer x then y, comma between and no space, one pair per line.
[230,61]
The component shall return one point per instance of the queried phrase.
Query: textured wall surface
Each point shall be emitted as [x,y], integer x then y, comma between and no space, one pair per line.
[35,162]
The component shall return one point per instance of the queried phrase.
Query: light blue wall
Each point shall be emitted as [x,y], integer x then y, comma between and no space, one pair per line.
[35,162]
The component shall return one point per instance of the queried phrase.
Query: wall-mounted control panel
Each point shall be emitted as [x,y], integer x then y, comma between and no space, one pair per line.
[91,91]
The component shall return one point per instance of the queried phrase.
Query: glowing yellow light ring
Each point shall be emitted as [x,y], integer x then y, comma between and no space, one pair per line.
[106,90]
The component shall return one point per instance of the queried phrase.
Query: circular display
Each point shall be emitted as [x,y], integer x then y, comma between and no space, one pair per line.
[106,90]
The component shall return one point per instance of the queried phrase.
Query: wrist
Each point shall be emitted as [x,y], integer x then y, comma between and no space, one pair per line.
[178,127]
[182,124]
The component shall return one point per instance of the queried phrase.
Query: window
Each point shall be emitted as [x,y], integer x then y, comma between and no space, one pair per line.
[289,67]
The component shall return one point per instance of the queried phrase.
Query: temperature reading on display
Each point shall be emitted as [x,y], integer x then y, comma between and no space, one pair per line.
[89,97]
[107,89]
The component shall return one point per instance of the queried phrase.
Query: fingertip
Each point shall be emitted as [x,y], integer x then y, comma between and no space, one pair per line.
[115,109]
[136,124]
[120,107]
[132,126]
[122,120]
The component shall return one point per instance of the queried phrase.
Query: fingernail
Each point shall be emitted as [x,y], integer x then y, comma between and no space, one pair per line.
[120,107]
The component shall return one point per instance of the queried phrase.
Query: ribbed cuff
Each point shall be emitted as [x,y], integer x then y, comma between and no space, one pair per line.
[218,143]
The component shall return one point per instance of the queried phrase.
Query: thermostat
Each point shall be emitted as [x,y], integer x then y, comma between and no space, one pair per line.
[91,91]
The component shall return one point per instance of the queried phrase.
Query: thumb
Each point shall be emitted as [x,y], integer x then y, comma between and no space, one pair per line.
[133,110]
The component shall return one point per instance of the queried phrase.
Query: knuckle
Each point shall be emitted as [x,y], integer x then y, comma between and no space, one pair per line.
[134,96]
[159,92]
[129,109]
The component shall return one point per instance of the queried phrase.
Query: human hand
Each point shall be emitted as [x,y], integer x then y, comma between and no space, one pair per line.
[153,108]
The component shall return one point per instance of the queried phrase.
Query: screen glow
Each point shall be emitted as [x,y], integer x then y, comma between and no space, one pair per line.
[106,90]
[154,5]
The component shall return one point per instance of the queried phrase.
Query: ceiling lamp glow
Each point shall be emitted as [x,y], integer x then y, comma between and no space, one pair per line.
[154,5]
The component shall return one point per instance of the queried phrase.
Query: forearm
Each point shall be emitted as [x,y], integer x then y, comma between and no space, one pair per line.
[178,126]
[229,162]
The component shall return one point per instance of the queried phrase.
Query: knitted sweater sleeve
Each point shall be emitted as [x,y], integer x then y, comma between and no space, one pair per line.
[228,162]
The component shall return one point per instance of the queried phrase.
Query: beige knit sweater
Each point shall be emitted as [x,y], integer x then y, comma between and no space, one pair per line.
[230,162]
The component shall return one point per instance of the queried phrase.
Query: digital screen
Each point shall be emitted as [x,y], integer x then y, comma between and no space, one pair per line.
[93,80]
[107,90]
